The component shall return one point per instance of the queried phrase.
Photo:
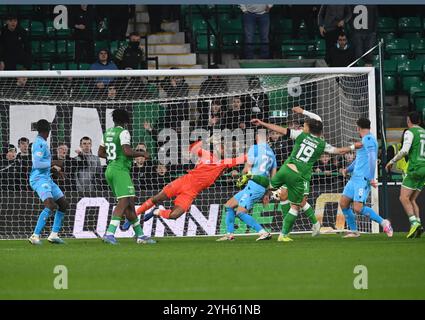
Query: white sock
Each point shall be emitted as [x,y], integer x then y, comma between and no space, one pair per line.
[53,234]
[262,231]
[36,235]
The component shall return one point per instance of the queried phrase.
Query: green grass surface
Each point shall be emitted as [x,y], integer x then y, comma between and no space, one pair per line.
[200,268]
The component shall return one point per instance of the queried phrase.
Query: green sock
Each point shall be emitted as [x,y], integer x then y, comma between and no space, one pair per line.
[137,227]
[309,212]
[285,206]
[115,222]
[288,222]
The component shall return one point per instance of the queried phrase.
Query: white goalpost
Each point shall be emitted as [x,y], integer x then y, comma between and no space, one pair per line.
[170,109]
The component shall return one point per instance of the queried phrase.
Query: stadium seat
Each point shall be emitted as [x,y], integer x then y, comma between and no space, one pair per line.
[417,46]
[292,50]
[282,26]
[390,67]
[320,48]
[37,29]
[397,47]
[35,48]
[229,25]
[202,42]
[417,90]
[390,84]
[410,73]
[100,44]
[24,10]
[199,25]
[232,42]
[59,66]
[70,49]
[115,45]
[413,35]
[25,24]
[83,66]
[409,24]
[47,49]
[387,25]
[72,66]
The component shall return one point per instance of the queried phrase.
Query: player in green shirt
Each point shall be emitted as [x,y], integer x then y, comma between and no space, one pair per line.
[297,170]
[414,147]
[116,148]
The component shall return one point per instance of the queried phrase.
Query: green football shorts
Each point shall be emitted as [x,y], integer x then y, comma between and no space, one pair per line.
[120,182]
[293,181]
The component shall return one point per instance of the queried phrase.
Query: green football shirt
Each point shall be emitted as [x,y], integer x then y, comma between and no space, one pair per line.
[113,139]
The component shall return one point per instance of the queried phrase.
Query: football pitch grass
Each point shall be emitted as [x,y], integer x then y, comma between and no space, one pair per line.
[201,268]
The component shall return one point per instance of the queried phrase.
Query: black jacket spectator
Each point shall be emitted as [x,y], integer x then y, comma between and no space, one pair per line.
[142,175]
[15,47]
[175,87]
[131,54]
[213,85]
[342,54]
[138,88]
[117,17]
[256,103]
[324,169]
[237,116]
[10,170]
[82,19]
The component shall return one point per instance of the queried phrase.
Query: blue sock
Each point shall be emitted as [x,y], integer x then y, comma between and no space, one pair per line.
[369,212]
[41,222]
[57,223]
[350,218]
[230,220]
[250,221]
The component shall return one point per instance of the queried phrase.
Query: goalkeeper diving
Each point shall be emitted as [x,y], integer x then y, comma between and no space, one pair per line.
[186,188]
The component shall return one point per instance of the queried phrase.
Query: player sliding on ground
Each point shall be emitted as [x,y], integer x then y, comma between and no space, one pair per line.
[187,187]
[413,147]
[48,191]
[297,170]
[116,148]
[261,162]
[357,189]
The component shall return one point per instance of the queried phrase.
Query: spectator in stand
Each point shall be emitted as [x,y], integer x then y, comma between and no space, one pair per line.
[332,21]
[142,170]
[68,167]
[103,62]
[363,36]
[306,13]
[117,17]
[342,54]
[67,87]
[131,54]
[24,89]
[24,159]
[279,146]
[138,88]
[256,103]
[175,87]
[111,91]
[215,119]
[237,117]
[10,176]
[87,178]
[15,47]
[160,13]
[253,15]
[82,19]
[324,168]
[161,177]
[214,84]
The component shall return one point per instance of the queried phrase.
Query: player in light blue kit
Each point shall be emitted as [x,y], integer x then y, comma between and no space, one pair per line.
[41,182]
[261,164]
[357,189]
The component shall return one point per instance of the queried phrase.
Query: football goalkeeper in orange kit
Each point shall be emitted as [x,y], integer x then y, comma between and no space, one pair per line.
[187,187]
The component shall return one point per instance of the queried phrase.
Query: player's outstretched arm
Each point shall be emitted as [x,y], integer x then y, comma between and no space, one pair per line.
[309,114]
[270,126]
[129,152]
[407,144]
[343,150]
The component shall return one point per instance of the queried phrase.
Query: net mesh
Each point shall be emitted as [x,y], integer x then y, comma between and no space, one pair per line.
[167,114]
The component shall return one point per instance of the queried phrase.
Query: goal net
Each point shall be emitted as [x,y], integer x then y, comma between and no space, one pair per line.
[170,109]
